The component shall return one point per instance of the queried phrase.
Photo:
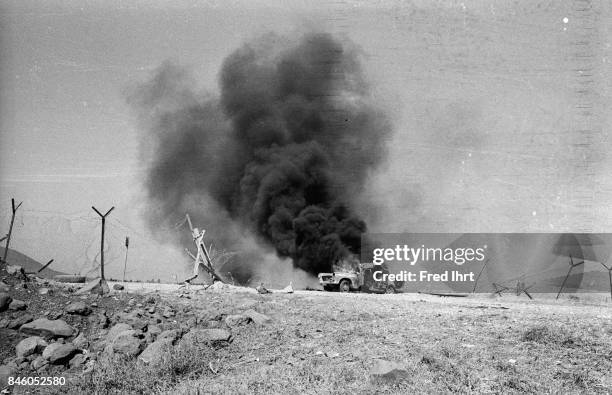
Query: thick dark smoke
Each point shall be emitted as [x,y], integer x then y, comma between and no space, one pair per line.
[283,151]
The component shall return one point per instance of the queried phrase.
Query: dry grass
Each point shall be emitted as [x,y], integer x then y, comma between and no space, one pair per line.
[325,343]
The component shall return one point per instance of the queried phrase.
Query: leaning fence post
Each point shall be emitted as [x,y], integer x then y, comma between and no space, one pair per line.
[8,236]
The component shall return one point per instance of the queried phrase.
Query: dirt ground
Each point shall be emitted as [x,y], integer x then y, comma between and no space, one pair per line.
[326,342]
[321,342]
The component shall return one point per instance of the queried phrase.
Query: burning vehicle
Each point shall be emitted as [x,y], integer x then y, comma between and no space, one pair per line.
[274,159]
[359,279]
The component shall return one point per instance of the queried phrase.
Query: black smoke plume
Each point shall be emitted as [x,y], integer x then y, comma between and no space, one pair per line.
[282,152]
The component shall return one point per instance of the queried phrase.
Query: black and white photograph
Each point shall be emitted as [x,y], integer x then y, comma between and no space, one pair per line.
[305,197]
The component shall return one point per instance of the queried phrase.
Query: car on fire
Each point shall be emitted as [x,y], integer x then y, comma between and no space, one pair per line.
[361,279]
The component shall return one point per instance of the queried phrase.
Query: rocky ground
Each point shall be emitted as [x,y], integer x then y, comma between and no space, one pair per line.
[227,339]
[52,329]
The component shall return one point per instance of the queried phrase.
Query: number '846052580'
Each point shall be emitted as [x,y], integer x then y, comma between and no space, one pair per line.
[45,380]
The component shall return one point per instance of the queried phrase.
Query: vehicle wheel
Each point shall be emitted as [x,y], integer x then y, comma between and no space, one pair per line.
[345,286]
[390,290]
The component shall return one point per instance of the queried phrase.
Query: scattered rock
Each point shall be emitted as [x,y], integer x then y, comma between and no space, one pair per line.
[77,361]
[54,315]
[39,362]
[154,353]
[127,343]
[206,336]
[288,289]
[5,301]
[19,321]
[262,290]
[81,341]
[237,320]
[100,319]
[59,354]
[47,328]
[78,308]
[4,322]
[140,325]
[154,330]
[97,286]
[171,334]
[258,318]
[117,330]
[189,323]
[6,372]
[168,312]
[98,346]
[118,287]
[29,346]
[15,270]
[388,371]
[152,310]
[18,305]
[44,291]
[133,318]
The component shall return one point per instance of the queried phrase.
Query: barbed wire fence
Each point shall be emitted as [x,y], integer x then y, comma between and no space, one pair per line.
[72,239]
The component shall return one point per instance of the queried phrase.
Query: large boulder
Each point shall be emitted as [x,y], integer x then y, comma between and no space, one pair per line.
[29,346]
[47,328]
[4,287]
[78,308]
[59,353]
[17,305]
[16,323]
[196,336]
[155,352]
[5,301]
[127,343]
[117,330]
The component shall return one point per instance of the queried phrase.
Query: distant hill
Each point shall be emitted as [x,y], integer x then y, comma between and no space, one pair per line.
[28,264]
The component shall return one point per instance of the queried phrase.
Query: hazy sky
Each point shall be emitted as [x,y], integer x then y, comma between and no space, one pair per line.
[500,111]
